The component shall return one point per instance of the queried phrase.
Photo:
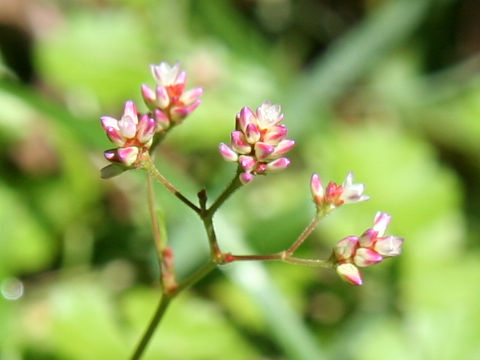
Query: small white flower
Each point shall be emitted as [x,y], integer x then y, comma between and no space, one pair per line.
[352,193]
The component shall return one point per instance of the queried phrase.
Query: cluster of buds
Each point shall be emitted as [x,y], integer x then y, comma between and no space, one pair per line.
[335,195]
[369,249]
[258,143]
[134,133]
[168,100]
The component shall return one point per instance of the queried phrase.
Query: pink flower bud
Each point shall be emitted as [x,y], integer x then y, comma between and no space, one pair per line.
[162,97]
[368,238]
[146,129]
[227,153]
[252,133]
[365,257]
[108,121]
[239,144]
[346,247]
[127,155]
[191,95]
[130,111]
[180,112]
[381,222]
[278,164]
[245,117]
[389,245]
[110,155]
[317,189]
[275,134]
[114,136]
[247,163]
[149,96]
[263,150]
[162,120]
[283,147]
[261,168]
[350,273]
[245,178]
[332,194]
[128,124]
[181,79]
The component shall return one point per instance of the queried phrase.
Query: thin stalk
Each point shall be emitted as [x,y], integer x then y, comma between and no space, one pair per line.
[282,256]
[162,307]
[207,216]
[321,213]
[307,262]
[304,235]
[152,170]
[269,257]
[216,253]
[157,236]
[194,278]
[229,190]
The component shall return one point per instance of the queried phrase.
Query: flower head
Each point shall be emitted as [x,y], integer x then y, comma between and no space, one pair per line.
[258,143]
[335,195]
[132,134]
[369,249]
[169,96]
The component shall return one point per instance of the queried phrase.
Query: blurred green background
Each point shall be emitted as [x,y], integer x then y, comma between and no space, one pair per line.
[387,88]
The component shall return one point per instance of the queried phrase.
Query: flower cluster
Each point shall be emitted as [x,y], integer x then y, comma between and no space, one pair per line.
[335,195]
[134,133]
[258,143]
[168,100]
[369,249]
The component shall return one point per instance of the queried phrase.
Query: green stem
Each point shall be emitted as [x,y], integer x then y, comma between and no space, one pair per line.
[207,216]
[229,190]
[157,236]
[307,262]
[321,213]
[216,253]
[282,256]
[152,170]
[194,278]
[303,236]
[162,307]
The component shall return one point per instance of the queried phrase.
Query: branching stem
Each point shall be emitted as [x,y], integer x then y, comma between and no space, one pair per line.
[148,165]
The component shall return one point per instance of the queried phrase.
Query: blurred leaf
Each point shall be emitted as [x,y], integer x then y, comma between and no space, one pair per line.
[103,53]
[350,57]
[24,244]
[191,329]
[84,323]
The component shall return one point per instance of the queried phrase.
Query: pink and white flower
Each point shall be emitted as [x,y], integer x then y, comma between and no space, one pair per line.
[335,195]
[369,249]
[258,143]
[350,273]
[132,134]
[169,95]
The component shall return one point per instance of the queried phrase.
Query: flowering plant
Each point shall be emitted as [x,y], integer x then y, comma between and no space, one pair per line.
[258,146]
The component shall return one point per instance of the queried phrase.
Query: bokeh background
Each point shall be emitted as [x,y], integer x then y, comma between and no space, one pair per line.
[387,88]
